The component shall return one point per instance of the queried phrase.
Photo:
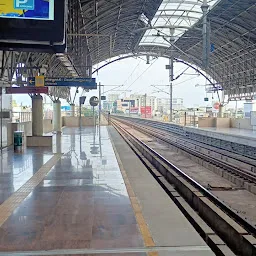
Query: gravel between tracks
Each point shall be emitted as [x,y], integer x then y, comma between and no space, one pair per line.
[239,199]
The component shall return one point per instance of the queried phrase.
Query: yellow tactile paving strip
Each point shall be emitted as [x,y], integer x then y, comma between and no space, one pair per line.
[144,230]
[8,206]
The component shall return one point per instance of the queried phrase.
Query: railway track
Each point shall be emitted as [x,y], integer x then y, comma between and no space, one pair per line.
[220,226]
[238,166]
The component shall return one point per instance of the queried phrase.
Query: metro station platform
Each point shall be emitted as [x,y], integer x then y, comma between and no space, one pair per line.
[233,139]
[91,195]
[241,136]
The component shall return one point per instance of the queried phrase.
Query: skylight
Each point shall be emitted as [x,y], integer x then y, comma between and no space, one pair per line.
[180,14]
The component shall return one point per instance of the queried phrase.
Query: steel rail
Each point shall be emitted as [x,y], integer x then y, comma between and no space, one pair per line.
[242,173]
[166,127]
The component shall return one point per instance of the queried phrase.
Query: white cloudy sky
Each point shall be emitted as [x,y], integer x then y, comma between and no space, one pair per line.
[138,77]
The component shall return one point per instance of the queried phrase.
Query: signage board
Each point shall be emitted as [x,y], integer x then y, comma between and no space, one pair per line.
[42,29]
[39,81]
[146,112]
[215,107]
[88,83]
[26,89]
[65,108]
[208,109]
[27,9]
[214,88]
[134,110]
[253,118]
[94,101]
[82,100]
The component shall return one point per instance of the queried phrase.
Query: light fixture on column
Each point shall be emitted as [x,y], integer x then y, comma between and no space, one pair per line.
[148,59]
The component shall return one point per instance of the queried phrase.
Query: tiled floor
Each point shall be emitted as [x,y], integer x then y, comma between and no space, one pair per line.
[17,169]
[81,203]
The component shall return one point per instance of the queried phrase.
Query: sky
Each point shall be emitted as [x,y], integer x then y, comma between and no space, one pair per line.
[137,76]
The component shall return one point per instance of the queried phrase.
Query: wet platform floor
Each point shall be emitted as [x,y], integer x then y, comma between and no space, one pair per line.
[81,203]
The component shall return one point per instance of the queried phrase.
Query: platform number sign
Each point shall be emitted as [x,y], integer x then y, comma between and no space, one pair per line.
[24,4]
[39,81]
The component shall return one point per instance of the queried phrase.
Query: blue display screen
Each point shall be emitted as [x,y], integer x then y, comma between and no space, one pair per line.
[27,9]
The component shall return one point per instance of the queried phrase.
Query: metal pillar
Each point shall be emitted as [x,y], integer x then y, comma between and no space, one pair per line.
[1,94]
[80,115]
[171,60]
[72,106]
[94,119]
[57,116]
[99,104]
[37,115]
[206,35]
[145,105]
[236,110]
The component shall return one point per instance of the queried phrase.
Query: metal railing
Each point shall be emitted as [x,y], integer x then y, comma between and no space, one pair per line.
[21,117]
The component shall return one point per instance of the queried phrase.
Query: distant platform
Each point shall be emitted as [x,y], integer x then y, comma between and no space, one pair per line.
[239,136]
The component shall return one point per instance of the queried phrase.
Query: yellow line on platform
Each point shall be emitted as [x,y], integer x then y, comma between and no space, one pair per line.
[9,205]
[144,229]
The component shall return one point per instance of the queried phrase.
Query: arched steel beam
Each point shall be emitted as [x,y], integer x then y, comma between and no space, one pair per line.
[139,55]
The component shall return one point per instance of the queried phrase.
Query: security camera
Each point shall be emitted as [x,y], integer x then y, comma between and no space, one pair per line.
[43,71]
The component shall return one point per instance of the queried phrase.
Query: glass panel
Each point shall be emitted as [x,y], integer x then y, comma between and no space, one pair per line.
[180,14]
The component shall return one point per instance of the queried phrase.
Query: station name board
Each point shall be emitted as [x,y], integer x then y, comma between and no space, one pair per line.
[88,83]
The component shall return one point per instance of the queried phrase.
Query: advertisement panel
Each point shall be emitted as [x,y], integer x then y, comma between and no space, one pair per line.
[134,111]
[27,9]
[146,112]
[215,107]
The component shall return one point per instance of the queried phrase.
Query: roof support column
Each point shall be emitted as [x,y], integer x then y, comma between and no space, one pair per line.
[206,35]
[171,69]
[57,124]
[72,106]
[37,115]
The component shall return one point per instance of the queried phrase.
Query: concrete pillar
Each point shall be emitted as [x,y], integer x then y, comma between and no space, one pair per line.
[220,115]
[37,115]
[72,109]
[57,124]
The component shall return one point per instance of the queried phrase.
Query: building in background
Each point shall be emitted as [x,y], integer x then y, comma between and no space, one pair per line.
[163,105]
[112,97]
[249,106]
[142,100]
[158,106]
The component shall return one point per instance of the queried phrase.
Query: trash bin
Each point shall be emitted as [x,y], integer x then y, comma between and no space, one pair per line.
[18,141]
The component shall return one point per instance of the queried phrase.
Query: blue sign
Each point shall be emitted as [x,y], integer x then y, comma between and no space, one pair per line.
[212,47]
[87,83]
[24,4]
[65,108]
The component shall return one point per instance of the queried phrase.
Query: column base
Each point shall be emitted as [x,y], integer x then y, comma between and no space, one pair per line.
[39,141]
[57,132]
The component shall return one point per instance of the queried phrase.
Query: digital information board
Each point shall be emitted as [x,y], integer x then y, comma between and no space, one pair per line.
[27,9]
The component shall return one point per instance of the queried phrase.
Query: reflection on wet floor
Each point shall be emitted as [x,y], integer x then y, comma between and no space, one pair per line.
[81,203]
[17,169]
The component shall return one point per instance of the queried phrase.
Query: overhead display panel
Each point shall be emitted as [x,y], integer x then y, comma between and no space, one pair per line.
[27,9]
[40,26]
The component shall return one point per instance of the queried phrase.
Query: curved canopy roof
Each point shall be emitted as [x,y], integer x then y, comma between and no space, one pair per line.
[179,14]
[143,27]
[102,29]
